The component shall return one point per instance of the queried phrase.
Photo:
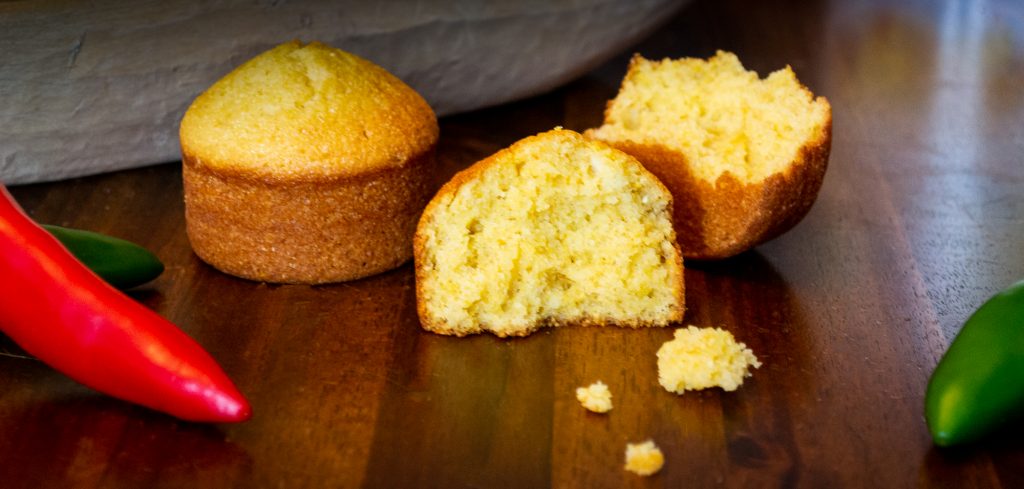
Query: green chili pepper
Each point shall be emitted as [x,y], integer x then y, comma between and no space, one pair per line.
[979,383]
[120,263]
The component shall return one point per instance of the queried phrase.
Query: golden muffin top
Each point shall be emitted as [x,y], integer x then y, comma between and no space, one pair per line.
[300,111]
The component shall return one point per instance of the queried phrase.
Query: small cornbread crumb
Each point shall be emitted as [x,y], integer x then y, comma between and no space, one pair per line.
[644,458]
[698,358]
[595,397]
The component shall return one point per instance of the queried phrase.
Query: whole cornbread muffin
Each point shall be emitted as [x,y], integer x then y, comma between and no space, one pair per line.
[306,164]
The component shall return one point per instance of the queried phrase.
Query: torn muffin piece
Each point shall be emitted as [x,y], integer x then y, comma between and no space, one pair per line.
[556,229]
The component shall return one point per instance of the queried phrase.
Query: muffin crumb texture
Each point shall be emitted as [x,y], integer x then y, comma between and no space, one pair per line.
[732,120]
[595,397]
[644,458]
[699,358]
[555,229]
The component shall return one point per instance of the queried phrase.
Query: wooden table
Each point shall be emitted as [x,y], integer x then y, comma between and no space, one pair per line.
[918,222]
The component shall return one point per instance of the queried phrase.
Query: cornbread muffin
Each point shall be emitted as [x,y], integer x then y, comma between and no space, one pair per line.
[555,229]
[595,397]
[744,157]
[644,458]
[306,164]
[699,358]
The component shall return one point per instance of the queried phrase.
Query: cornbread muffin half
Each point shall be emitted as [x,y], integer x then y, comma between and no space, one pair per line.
[744,157]
[555,229]
[306,164]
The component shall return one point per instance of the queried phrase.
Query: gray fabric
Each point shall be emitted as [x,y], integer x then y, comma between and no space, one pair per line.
[101,86]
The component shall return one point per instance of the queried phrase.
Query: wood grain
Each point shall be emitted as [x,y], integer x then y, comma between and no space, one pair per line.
[918,222]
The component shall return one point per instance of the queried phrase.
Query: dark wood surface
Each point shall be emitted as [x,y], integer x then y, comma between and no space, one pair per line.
[918,222]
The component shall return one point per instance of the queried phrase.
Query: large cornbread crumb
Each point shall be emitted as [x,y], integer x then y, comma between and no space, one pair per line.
[555,229]
[595,397]
[721,116]
[699,358]
[644,458]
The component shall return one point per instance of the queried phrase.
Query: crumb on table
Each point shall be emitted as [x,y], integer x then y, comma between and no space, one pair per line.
[595,397]
[644,458]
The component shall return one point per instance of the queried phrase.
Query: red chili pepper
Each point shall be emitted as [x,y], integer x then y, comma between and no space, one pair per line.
[58,310]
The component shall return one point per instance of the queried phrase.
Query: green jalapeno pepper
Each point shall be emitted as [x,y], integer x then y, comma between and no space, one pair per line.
[120,263]
[979,383]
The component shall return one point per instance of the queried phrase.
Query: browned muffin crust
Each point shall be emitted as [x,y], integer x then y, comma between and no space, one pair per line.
[307,231]
[306,164]
[720,220]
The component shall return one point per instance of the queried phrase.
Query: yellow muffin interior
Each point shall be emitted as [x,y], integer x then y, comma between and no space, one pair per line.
[699,358]
[722,117]
[308,110]
[644,458]
[595,397]
[555,229]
